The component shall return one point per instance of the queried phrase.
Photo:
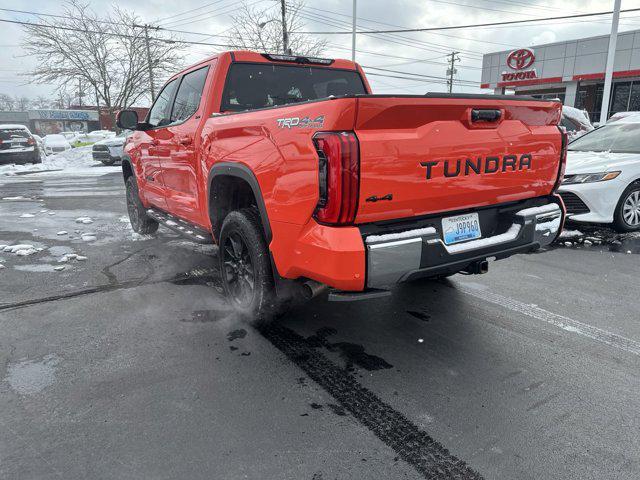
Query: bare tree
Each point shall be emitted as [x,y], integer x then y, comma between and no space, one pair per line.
[260,28]
[22,103]
[41,103]
[109,53]
[6,102]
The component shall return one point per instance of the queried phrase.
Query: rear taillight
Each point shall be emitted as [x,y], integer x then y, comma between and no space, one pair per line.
[339,177]
[31,141]
[563,158]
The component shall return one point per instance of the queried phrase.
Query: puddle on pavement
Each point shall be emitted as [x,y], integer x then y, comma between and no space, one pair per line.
[236,334]
[353,354]
[29,377]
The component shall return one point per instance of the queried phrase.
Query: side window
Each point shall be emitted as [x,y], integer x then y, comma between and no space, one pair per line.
[189,95]
[161,109]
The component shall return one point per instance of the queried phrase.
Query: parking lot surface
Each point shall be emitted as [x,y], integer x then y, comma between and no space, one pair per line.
[129,364]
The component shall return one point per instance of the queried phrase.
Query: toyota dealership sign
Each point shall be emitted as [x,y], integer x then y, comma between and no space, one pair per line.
[520,61]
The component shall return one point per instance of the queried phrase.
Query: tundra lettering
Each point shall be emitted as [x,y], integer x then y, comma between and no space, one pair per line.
[480,165]
[307,181]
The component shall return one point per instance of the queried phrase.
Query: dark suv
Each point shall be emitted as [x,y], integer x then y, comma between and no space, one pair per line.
[17,145]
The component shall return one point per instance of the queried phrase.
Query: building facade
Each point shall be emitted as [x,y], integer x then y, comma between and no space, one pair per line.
[572,71]
[80,119]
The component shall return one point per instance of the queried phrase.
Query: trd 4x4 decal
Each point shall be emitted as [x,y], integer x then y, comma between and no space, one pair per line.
[305,122]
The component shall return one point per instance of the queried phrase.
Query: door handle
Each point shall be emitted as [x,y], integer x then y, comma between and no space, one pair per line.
[485,115]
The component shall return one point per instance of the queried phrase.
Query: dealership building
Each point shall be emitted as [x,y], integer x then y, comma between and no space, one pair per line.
[572,71]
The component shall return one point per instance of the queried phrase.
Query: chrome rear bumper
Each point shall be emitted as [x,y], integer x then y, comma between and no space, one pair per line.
[393,258]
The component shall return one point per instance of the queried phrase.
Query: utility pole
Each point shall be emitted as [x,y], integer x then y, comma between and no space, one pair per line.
[611,55]
[451,71]
[149,63]
[80,94]
[285,34]
[353,33]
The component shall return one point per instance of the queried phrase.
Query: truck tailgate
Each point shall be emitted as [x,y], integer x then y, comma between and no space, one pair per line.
[429,154]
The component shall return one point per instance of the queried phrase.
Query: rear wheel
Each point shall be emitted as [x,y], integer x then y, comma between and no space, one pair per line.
[627,214]
[245,268]
[140,221]
[108,161]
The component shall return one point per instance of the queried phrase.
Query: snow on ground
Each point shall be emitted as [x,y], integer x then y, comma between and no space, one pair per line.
[594,235]
[77,161]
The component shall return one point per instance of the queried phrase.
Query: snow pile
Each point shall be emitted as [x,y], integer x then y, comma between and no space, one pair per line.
[74,160]
[21,249]
[72,256]
[85,220]
[570,234]
[578,116]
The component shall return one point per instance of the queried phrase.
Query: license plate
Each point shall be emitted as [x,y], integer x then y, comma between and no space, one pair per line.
[461,228]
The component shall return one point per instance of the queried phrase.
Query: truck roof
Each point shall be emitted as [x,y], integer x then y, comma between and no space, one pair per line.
[251,56]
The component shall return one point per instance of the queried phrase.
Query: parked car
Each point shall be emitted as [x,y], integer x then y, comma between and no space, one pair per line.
[306,180]
[55,143]
[104,133]
[619,115]
[69,135]
[109,150]
[575,121]
[18,145]
[84,139]
[602,179]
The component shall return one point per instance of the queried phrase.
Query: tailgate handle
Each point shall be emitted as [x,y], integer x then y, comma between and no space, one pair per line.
[485,115]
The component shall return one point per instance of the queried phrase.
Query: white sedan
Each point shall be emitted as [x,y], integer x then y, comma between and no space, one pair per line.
[602,179]
[55,143]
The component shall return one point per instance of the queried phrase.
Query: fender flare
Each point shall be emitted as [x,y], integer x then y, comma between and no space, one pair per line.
[243,172]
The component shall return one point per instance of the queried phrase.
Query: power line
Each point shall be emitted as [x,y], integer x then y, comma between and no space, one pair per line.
[396,39]
[188,11]
[400,26]
[72,29]
[492,24]
[420,75]
[442,82]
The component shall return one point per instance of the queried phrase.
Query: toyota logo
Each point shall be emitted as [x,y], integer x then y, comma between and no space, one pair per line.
[521,59]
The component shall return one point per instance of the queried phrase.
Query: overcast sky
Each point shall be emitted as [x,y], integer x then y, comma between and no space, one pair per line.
[379,51]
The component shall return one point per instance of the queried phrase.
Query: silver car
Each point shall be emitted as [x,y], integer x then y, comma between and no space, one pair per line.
[109,150]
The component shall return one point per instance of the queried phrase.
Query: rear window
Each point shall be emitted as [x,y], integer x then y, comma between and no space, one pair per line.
[250,86]
[9,133]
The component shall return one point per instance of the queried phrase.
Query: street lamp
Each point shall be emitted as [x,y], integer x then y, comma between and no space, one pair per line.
[285,36]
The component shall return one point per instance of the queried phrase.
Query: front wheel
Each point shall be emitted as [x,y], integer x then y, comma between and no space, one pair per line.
[140,221]
[245,267]
[627,214]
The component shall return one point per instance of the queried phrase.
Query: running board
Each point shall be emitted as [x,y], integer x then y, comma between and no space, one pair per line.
[189,230]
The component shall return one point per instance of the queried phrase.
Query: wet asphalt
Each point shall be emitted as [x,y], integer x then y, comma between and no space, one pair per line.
[129,364]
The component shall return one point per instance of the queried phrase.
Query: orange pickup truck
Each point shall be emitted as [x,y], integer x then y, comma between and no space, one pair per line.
[305,178]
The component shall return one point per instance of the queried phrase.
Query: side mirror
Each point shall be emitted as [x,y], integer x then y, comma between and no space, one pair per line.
[127,119]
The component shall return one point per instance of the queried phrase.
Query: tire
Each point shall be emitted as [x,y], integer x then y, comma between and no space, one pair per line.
[245,268]
[108,162]
[140,221]
[627,215]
